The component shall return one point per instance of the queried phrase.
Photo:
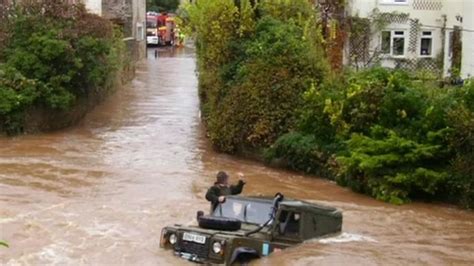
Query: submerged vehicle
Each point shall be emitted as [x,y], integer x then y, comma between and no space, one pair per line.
[246,228]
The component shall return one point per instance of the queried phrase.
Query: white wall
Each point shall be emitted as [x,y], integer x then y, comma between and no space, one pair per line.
[94,6]
[429,20]
[467,68]
[362,8]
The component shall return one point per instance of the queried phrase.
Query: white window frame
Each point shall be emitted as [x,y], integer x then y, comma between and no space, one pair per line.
[392,37]
[393,2]
[430,36]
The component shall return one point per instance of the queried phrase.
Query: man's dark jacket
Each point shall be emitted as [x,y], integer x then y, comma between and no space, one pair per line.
[214,192]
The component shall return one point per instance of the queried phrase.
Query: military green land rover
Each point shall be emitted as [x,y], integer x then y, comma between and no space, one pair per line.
[246,228]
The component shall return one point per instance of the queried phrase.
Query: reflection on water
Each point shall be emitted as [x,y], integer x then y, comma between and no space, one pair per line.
[99,193]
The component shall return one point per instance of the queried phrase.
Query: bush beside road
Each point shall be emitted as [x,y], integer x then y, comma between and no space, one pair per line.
[55,59]
[266,87]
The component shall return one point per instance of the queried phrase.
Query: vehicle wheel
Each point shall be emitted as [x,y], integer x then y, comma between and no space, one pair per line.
[219,223]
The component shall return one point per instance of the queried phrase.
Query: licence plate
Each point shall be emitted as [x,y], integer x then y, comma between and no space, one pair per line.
[194,238]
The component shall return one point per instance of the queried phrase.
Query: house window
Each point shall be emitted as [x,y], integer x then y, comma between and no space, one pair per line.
[393,43]
[398,43]
[426,44]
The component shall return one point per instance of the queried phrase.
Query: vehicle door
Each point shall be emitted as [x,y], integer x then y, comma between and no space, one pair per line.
[288,226]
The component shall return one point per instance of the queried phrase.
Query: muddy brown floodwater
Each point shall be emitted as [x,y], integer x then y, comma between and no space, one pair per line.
[99,193]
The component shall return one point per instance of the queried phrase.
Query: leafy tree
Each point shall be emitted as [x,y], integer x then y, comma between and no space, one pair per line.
[254,66]
[162,5]
[214,25]
[265,87]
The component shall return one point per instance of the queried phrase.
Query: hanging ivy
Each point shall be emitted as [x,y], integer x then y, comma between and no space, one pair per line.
[333,24]
[457,53]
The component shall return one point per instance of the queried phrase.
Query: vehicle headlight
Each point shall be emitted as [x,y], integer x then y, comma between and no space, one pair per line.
[217,247]
[173,239]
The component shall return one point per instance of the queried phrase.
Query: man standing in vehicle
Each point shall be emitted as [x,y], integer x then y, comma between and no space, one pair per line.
[216,194]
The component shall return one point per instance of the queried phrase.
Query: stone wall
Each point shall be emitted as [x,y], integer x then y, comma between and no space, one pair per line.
[131,15]
[121,12]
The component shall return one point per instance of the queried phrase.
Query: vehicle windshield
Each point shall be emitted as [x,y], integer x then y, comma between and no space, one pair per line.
[247,211]
[151,23]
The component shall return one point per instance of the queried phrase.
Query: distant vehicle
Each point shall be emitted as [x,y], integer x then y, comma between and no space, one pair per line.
[160,29]
[246,228]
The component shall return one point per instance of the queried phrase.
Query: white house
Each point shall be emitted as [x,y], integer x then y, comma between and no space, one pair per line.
[419,33]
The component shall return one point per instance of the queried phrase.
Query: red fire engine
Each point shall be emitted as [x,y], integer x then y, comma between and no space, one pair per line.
[160,29]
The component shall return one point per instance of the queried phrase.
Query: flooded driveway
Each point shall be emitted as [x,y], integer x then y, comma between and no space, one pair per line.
[99,193]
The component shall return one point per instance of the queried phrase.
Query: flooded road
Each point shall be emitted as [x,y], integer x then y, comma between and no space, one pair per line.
[99,193]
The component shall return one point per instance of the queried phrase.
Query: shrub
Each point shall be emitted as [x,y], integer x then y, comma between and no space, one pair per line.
[461,119]
[214,24]
[17,93]
[390,167]
[264,84]
[265,87]
[253,67]
[393,138]
[303,153]
[52,54]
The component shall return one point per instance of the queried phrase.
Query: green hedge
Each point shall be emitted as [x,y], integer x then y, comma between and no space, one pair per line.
[52,53]
[255,61]
[392,138]
[265,85]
